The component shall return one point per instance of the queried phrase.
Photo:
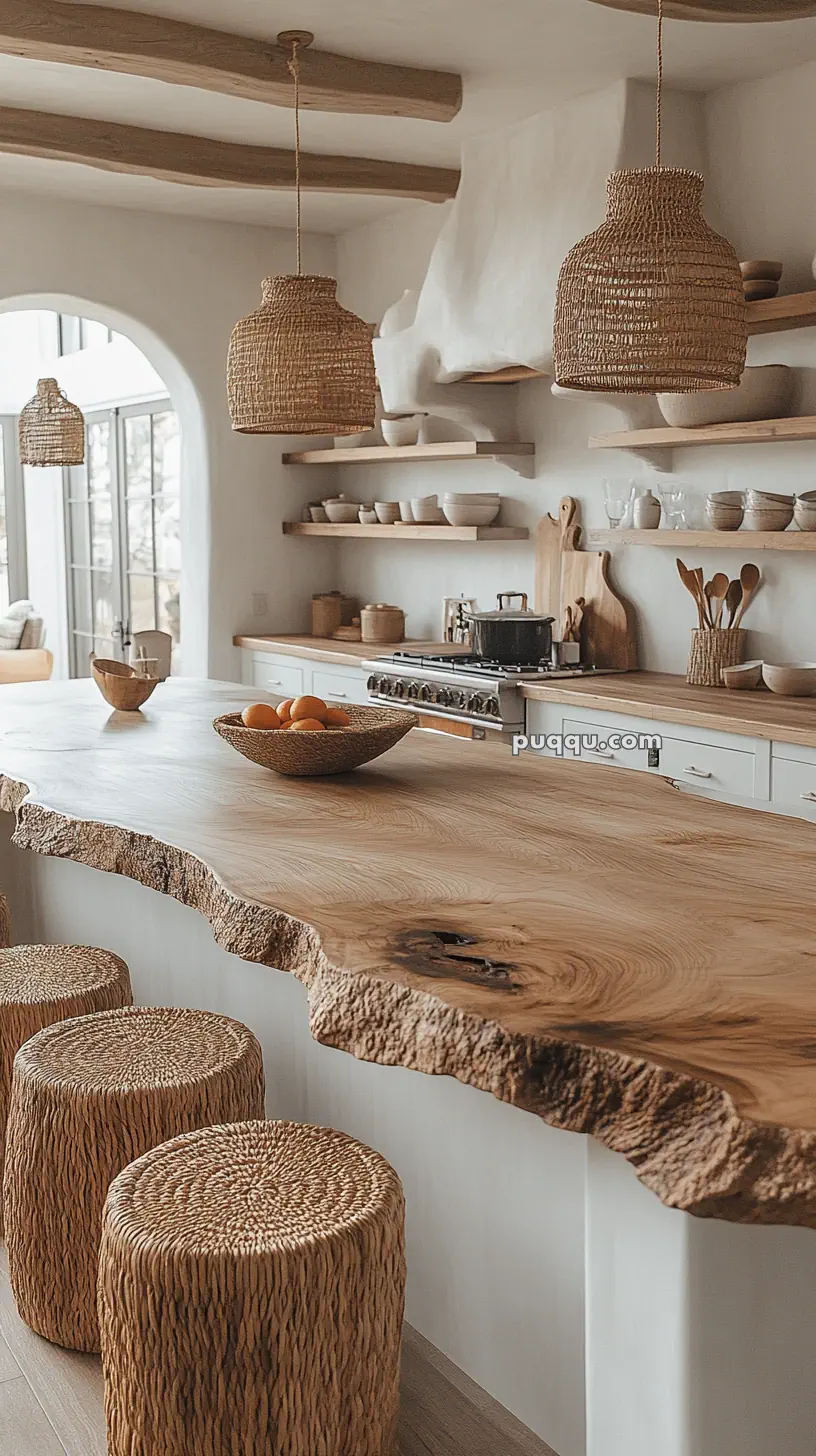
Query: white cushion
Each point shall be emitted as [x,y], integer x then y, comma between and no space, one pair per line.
[11,626]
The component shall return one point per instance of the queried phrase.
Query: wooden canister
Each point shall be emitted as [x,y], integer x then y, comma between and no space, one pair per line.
[381,623]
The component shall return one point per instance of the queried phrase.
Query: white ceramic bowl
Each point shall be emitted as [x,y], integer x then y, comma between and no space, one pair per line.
[406,514]
[805,517]
[341,512]
[793,679]
[763,393]
[366,517]
[809,496]
[454,497]
[318,515]
[723,518]
[470,514]
[402,431]
[387,512]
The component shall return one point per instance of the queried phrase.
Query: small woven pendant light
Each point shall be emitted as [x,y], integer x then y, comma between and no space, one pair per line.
[52,430]
[653,301]
[301,364]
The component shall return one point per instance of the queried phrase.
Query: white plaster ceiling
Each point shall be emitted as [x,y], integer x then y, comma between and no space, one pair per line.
[517,57]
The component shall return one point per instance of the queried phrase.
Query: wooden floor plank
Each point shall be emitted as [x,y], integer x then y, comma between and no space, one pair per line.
[24,1429]
[443,1412]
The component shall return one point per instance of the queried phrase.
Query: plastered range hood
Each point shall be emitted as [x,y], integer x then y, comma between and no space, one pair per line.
[527,194]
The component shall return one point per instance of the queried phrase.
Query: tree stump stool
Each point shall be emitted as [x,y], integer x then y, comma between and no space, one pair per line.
[251,1290]
[41,984]
[88,1096]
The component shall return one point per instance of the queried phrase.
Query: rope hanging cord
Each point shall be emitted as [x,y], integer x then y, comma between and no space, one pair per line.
[294,69]
[659,79]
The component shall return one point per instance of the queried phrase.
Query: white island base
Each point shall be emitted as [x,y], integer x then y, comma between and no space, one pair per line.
[609,1324]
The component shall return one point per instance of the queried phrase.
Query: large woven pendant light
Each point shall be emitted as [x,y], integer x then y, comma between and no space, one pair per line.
[52,430]
[653,301]
[301,364]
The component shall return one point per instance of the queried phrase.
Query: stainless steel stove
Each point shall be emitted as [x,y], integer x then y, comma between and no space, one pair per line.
[462,688]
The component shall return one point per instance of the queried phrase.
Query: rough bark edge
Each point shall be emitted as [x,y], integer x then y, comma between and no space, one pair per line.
[681,1134]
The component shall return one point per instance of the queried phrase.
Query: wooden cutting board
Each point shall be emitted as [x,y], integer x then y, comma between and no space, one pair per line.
[608,635]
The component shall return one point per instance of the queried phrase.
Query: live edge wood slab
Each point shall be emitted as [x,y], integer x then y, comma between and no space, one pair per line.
[584,942]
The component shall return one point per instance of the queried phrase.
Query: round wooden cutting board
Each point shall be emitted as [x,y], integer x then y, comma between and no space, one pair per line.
[734,10]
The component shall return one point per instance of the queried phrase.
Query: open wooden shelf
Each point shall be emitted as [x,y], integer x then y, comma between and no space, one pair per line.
[769,316]
[394,454]
[747,432]
[407,532]
[708,540]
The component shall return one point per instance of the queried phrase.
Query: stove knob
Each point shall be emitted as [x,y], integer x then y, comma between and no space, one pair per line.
[475,703]
[374,684]
[425,693]
[413,690]
[494,705]
[444,697]
[399,688]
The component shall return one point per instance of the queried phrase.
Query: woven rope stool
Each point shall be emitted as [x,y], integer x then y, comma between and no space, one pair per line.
[87,1097]
[251,1287]
[41,984]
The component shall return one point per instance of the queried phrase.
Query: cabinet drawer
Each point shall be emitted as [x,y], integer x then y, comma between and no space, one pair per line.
[603,752]
[336,687]
[714,770]
[793,786]
[284,680]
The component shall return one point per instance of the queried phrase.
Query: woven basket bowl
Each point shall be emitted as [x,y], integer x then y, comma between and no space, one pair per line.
[120,685]
[308,755]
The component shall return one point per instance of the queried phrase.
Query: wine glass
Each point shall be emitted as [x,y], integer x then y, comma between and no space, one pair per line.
[616,496]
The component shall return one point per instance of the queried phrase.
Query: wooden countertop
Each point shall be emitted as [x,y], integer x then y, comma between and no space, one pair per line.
[326,649]
[582,941]
[669,698]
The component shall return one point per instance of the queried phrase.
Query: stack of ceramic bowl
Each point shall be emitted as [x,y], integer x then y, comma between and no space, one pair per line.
[426,512]
[760,279]
[765,511]
[340,511]
[725,510]
[471,510]
[387,512]
[804,511]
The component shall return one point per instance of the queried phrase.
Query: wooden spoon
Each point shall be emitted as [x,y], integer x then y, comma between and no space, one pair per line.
[716,591]
[689,581]
[749,581]
[733,599]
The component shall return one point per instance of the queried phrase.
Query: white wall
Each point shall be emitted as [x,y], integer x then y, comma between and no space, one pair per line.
[176,287]
[762,186]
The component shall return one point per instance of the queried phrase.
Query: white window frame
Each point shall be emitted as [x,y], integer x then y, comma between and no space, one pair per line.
[15,510]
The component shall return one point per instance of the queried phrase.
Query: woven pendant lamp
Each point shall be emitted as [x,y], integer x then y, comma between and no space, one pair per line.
[52,430]
[653,301]
[301,364]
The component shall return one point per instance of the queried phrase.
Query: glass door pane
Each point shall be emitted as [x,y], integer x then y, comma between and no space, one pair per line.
[4,567]
[152,545]
[95,592]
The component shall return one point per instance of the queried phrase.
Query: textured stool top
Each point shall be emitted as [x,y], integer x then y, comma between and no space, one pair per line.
[252,1188]
[136,1048]
[36,974]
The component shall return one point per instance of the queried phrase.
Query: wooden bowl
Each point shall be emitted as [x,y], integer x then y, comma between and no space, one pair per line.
[310,755]
[761,270]
[120,685]
[759,289]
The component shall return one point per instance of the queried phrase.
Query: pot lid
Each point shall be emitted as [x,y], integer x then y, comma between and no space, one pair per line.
[508,615]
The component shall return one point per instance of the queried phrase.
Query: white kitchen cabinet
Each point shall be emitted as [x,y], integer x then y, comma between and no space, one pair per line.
[723,765]
[287,677]
[793,782]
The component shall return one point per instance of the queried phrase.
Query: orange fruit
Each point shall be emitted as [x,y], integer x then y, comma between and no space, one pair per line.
[306,725]
[307,707]
[337,718]
[260,715]
[284,709]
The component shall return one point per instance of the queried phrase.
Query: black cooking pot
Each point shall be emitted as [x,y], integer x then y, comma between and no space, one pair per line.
[509,635]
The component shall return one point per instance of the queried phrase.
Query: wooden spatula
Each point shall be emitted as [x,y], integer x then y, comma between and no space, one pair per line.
[689,581]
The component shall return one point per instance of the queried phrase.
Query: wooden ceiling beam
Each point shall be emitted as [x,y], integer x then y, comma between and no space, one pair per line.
[192,55]
[203,162]
[739,11]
